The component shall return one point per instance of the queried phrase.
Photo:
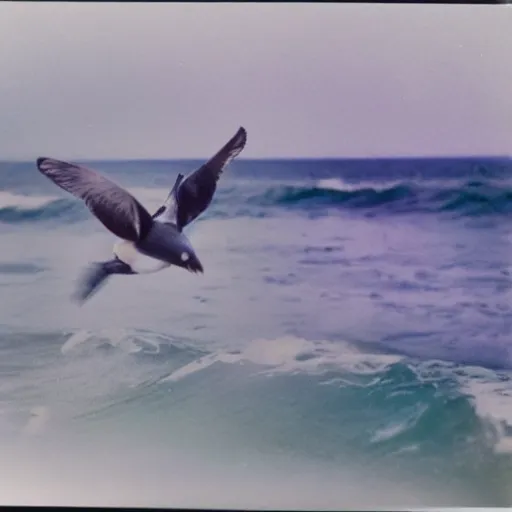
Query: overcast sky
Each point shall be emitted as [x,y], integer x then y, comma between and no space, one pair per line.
[306,80]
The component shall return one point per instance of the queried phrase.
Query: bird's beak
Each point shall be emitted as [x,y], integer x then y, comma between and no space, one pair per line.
[195,266]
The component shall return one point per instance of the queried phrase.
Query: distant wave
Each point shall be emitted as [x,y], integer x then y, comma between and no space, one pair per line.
[22,208]
[472,198]
[18,208]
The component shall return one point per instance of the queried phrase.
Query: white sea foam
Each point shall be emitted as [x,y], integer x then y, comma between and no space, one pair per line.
[289,354]
[23,202]
[119,338]
[345,186]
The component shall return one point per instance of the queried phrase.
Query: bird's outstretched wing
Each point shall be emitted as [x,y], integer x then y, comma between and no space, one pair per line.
[195,193]
[113,206]
[214,167]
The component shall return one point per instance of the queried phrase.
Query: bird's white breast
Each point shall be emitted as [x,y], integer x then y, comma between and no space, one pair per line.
[138,262]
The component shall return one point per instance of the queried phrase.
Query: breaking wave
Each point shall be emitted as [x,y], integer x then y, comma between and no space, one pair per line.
[471,198]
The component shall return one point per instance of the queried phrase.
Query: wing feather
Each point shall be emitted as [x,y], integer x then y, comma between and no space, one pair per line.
[113,206]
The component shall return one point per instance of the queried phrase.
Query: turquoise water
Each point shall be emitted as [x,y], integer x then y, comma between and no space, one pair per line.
[346,347]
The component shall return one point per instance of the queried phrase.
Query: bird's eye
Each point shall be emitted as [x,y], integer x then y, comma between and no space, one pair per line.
[185,256]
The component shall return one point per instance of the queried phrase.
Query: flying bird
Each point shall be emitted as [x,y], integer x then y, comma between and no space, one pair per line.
[149,243]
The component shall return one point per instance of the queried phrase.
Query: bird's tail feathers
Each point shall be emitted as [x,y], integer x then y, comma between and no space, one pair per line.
[95,276]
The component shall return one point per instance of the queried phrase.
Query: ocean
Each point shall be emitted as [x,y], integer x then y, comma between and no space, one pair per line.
[348,345]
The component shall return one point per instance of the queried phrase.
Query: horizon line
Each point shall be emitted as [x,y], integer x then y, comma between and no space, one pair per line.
[281,158]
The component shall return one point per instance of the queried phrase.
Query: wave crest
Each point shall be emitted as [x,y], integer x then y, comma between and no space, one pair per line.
[15,208]
[472,198]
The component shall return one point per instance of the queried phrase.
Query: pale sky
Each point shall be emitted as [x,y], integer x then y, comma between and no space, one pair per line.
[176,80]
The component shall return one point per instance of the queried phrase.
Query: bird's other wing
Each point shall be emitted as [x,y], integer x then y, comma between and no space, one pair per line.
[197,190]
[113,206]
[215,166]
